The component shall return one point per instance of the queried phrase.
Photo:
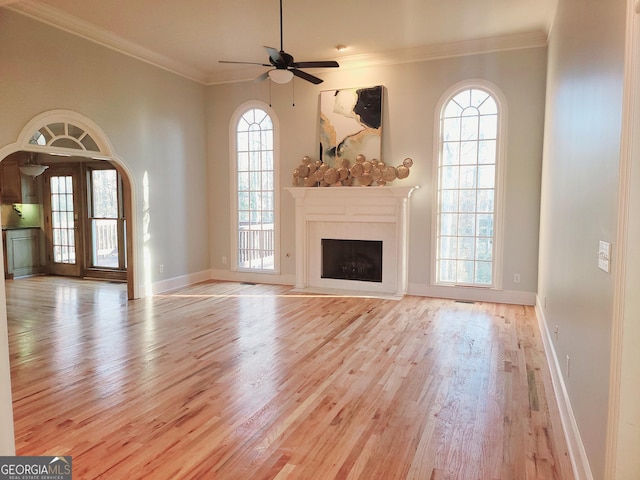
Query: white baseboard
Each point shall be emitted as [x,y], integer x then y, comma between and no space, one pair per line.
[268,278]
[474,294]
[224,275]
[437,291]
[180,282]
[577,453]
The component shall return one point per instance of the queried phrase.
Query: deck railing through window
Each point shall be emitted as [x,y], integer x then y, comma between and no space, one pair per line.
[105,238]
[256,246]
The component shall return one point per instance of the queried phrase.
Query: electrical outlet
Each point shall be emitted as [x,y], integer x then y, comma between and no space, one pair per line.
[516,278]
[224,260]
[161,268]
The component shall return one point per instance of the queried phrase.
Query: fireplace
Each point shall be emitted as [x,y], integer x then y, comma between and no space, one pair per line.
[376,216]
[352,259]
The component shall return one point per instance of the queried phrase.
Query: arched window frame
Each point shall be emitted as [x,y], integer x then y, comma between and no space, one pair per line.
[498,236]
[234,247]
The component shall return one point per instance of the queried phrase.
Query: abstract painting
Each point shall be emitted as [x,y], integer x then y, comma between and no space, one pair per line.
[350,124]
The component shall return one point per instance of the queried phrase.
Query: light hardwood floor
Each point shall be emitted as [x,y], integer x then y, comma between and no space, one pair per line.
[232,381]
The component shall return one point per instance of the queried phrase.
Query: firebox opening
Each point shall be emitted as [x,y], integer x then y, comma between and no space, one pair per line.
[352,260]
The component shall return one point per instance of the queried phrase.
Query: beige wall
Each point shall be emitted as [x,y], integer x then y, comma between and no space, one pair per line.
[412,92]
[164,127]
[579,203]
[155,122]
[176,133]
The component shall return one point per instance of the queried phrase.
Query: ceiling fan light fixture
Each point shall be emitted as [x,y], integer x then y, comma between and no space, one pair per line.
[280,75]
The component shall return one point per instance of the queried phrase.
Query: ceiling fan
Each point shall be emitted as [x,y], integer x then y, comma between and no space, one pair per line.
[285,66]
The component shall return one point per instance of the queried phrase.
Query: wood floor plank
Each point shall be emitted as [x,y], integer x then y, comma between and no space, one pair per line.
[222,380]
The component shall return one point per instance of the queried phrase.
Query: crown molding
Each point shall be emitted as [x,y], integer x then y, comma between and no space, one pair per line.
[63,21]
[502,43]
[462,48]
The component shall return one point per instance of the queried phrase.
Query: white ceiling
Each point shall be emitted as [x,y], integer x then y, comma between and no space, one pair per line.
[189,37]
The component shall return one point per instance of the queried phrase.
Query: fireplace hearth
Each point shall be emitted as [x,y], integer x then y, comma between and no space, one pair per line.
[352,259]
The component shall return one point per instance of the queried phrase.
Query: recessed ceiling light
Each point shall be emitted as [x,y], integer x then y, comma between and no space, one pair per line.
[341,47]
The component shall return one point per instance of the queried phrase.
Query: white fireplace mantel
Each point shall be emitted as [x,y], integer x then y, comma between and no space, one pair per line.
[354,213]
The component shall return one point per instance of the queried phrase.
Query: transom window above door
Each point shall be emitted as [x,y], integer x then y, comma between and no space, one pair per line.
[64,135]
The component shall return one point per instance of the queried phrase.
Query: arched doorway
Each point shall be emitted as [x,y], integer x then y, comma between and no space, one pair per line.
[70,134]
[63,132]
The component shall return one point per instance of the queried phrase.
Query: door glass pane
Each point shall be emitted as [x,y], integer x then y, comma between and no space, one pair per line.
[62,217]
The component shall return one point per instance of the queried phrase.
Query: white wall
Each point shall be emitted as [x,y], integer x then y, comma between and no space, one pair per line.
[155,122]
[411,94]
[579,203]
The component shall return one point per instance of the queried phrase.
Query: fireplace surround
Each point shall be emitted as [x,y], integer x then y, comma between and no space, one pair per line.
[372,214]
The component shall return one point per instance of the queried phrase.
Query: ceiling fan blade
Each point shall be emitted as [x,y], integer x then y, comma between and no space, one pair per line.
[327,64]
[279,59]
[245,63]
[262,77]
[306,76]
[275,56]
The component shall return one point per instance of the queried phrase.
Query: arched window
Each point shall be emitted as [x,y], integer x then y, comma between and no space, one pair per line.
[65,135]
[255,192]
[468,181]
